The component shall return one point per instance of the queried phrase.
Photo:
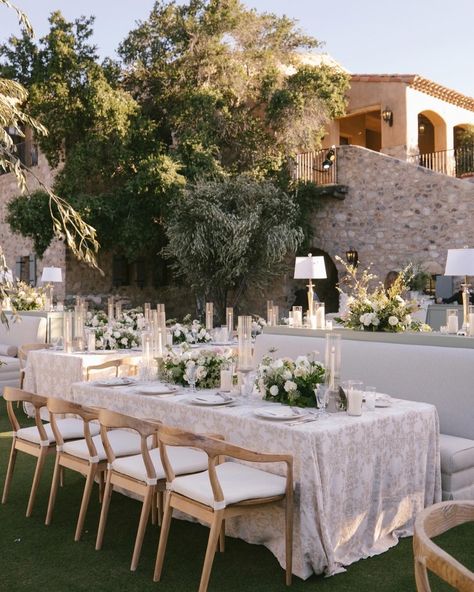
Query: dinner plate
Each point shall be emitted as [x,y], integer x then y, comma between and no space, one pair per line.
[383,401]
[278,413]
[222,343]
[117,381]
[158,389]
[212,400]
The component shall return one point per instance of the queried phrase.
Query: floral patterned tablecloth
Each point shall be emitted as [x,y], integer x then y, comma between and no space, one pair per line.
[360,481]
[51,372]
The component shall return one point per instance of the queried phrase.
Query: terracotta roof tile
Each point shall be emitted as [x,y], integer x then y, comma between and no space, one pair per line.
[423,85]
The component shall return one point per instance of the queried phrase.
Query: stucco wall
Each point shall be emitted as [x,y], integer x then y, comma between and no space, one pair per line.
[15,245]
[394,213]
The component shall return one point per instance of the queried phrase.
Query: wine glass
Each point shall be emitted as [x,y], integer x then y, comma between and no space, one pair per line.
[322,392]
[191,376]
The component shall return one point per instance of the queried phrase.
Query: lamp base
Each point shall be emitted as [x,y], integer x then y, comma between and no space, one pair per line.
[465,305]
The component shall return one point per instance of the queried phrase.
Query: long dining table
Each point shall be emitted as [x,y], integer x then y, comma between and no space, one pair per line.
[359,481]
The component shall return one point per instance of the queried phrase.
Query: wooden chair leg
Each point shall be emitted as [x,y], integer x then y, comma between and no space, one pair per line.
[289,538]
[9,475]
[61,476]
[85,500]
[142,527]
[101,486]
[421,577]
[36,479]
[222,537]
[154,508]
[103,513]
[54,490]
[211,550]
[165,529]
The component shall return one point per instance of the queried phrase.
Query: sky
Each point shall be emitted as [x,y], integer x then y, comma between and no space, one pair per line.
[433,38]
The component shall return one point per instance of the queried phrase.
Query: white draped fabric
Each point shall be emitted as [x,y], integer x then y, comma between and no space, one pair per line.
[51,373]
[359,480]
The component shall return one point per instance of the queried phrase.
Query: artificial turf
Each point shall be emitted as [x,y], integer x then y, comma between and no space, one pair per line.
[36,557]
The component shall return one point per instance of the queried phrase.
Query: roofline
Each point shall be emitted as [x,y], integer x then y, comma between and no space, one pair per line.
[421,84]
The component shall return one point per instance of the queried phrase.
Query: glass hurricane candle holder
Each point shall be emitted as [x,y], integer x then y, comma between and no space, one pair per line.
[244,333]
[297,317]
[209,316]
[452,321]
[229,317]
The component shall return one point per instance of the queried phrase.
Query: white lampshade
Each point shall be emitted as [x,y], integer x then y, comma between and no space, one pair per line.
[460,262]
[310,268]
[52,274]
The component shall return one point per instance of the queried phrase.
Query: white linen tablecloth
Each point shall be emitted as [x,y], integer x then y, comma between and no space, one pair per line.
[360,481]
[51,372]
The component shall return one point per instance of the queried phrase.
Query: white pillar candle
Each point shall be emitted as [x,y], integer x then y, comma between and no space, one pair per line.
[354,402]
[471,324]
[453,325]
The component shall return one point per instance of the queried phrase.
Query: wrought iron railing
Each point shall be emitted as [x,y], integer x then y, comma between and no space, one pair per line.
[457,162]
[319,167]
[27,153]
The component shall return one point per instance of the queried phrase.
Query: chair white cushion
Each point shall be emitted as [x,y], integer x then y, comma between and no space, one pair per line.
[457,454]
[458,480]
[123,443]
[466,493]
[183,460]
[238,483]
[70,428]
[10,351]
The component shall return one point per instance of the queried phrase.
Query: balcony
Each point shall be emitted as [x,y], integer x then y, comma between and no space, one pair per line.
[457,162]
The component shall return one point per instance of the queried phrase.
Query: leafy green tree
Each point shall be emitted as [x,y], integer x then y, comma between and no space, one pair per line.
[225,237]
[66,222]
[226,86]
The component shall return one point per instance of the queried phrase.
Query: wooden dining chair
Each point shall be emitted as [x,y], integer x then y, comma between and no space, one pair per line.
[225,490]
[430,523]
[37,440]
[121,364]
[141,474]
[23,352]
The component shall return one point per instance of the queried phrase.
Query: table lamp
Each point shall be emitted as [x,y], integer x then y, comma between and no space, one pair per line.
[310,268]
[51,275]
[461,262]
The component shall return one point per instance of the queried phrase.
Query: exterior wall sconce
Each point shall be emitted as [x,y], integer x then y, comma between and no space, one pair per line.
[421,128]
[387,116]
[352,257]
[329,159]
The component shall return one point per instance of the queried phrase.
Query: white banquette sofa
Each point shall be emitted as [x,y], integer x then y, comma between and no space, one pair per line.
[422,367]
[20,331]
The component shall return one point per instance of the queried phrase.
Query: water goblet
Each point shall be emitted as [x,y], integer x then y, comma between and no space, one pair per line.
[322,392]
[191,376]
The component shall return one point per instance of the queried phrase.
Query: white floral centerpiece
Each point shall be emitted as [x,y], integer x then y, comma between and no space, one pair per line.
[26,297]
[258,323]
[122,333]
[292,382]
[190,331]
[206,365]
[378,309]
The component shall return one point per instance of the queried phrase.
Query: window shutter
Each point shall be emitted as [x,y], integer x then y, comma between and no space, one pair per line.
[32,270]
[18,268]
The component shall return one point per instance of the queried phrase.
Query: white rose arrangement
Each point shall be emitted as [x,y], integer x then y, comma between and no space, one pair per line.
[292,382]
[122,333]
[205,365]
[377,309]
[26,297]
[190,332]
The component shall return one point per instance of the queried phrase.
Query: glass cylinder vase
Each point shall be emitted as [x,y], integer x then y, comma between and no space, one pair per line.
[229,317]
[244,333]
[269,313]
[452,321]
[209,316]
[67,331]
[110,310]
[333,360]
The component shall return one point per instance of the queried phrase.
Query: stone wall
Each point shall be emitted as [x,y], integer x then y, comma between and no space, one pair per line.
[394,213]
[15,245]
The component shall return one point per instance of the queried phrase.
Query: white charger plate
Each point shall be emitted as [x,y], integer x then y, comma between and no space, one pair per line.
[278,413]
[116,381]
[383,401]
[158,389]
[212,400]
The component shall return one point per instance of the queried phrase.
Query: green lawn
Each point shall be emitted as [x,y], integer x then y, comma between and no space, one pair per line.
[36,557]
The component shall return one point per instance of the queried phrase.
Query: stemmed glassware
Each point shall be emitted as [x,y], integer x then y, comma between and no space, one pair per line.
[191,376]
[322,392]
